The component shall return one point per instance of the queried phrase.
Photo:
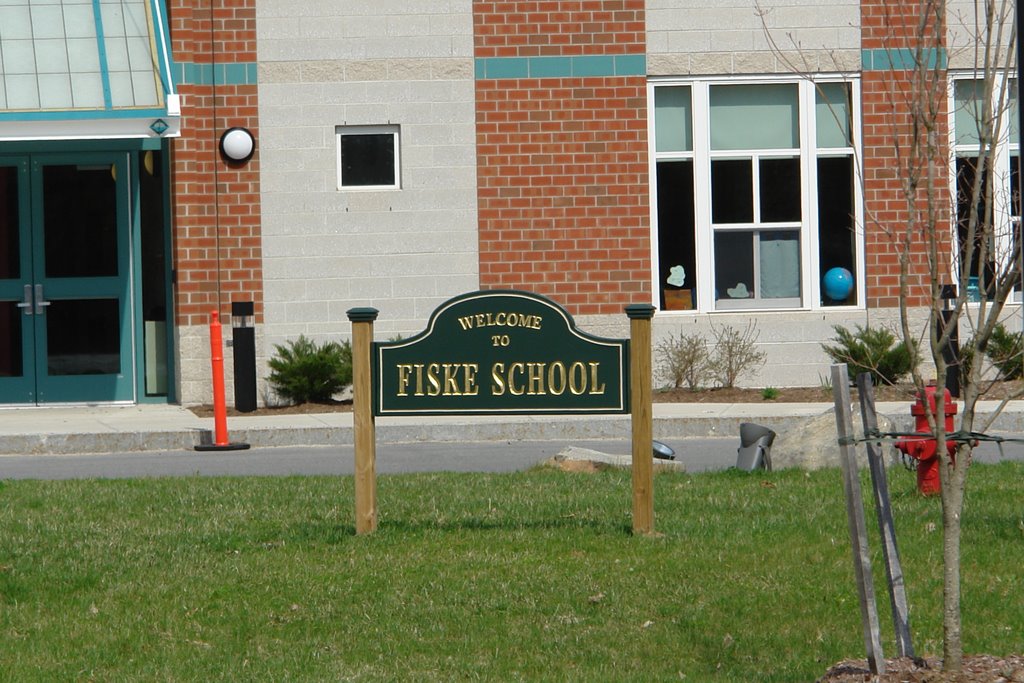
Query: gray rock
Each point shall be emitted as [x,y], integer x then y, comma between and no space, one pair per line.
[815,444]
[576,459]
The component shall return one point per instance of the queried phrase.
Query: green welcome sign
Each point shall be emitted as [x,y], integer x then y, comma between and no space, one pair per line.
[501,352]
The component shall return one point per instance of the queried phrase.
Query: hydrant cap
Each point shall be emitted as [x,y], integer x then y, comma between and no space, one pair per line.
[949,406]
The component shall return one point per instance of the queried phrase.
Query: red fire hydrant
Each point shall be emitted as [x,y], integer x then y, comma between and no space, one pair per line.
[924,449]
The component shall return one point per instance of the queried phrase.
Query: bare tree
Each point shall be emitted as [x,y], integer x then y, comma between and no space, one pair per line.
[955,226]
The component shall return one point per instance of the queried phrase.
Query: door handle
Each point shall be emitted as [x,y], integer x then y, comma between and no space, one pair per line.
[40,302]
[26,305]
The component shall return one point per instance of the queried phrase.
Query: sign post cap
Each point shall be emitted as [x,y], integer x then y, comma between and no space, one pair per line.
[362,315]
[640,311]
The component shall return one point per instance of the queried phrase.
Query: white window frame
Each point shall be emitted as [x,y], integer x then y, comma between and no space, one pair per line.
[808,151]
[1002,208]
[384,129]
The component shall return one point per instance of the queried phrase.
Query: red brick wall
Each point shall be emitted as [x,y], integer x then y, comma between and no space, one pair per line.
[216,204]
[558,28]
[889,160]
[562,162]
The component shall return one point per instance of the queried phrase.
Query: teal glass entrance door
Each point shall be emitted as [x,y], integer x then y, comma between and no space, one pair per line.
[71,286]
[17,373]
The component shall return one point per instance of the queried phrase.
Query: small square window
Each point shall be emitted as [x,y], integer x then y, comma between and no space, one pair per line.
[368,157]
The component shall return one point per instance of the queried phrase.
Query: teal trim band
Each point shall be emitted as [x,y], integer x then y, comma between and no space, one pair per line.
[101,44]
[233,73]
[490,68]
[902,59]
[82,114]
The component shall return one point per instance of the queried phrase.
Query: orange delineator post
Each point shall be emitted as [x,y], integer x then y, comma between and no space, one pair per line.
[220,411]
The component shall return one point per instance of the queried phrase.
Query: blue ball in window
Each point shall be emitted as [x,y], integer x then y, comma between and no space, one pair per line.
[838,283]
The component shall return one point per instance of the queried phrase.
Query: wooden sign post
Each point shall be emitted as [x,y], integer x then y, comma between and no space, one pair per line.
[364,427]
[643,421]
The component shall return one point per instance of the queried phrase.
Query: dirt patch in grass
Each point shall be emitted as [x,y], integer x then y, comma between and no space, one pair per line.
[976,669]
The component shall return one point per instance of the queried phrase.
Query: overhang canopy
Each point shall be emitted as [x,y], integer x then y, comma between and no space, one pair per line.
[86,69]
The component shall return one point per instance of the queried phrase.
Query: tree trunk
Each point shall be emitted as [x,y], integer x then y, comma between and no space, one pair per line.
[953,480]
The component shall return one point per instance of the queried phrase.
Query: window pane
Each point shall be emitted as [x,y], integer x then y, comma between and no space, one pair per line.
[779,189]
[968,96]
[1015,184]
[732,191]
[10,339]
[80,221]
[980,249]
[83,337]
[779,259]
[1014,116]
[734,264]
[673,120]
[368,159]
[832,114]
[10,253]
[676,224]
[754,116]
[837,246]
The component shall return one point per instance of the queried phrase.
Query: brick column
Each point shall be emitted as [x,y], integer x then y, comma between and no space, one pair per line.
[562,151]
[889,41]
[216,204]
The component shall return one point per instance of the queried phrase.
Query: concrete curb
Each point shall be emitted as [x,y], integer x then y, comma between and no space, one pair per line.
[168,428]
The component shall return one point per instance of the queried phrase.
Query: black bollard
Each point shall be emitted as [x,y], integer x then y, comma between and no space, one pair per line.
[243,344]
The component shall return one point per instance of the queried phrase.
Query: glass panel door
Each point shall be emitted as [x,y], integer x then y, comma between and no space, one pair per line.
[80,289]
[65,327]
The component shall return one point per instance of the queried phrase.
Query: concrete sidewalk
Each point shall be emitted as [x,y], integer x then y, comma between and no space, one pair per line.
[119,429]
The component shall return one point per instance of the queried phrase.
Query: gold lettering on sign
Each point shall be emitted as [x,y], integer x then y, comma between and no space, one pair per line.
[443,379]
[527,321]
[594,389]
[513,388]
[540,379]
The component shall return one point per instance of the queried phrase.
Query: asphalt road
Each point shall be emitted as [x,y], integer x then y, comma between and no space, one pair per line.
[698,454]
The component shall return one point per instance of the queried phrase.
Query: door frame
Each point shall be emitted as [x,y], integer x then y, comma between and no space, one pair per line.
[132,326]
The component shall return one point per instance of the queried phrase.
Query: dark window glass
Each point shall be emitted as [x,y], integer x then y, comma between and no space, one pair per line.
[367,159]
[80,221]
[10,339]
[837,238]
[780,189]
[9,241]
[676,224]
[981,251]
[83,337]
[732,191]
[1015,184]
[734,264]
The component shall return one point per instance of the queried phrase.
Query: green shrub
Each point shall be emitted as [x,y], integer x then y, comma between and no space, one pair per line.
[683,359]
[1006,351]
[872,350]
[303,372]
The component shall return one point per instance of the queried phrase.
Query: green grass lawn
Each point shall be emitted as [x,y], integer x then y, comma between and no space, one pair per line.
[527,576]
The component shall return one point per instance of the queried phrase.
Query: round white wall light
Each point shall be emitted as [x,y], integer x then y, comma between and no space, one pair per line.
[237,144]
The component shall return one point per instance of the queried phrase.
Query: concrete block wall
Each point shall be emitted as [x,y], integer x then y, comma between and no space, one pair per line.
[695,37]
[405,251]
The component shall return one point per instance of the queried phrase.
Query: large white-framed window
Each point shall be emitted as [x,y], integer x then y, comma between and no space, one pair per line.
[755,204]
[971,103]
[369,157]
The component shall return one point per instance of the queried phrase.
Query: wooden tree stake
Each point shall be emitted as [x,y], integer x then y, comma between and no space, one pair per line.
[855,517]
